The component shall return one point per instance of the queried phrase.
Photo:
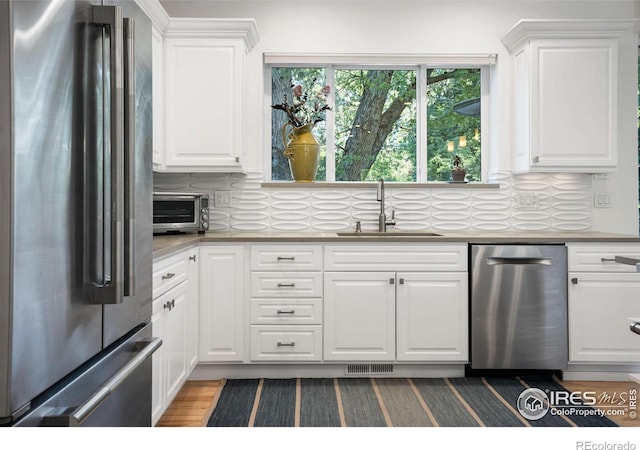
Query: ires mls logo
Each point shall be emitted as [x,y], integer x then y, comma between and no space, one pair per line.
[534,403]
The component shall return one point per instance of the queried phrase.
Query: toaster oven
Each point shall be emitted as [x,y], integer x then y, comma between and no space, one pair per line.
[180,212]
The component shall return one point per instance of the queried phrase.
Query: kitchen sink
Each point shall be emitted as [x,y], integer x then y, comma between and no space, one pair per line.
[387,233]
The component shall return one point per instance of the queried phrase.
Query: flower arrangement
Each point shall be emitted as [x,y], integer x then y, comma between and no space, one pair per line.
[305,108]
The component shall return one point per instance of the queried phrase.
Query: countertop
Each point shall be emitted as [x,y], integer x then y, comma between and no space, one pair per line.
[166,244]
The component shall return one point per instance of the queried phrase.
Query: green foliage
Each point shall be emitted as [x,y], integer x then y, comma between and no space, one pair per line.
[396,158]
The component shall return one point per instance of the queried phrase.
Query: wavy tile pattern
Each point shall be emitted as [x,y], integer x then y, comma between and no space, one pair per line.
[564,203]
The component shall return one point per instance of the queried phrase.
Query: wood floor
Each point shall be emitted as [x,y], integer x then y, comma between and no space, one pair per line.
[193,404]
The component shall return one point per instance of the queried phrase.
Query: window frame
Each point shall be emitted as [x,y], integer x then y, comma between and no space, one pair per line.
[420,63]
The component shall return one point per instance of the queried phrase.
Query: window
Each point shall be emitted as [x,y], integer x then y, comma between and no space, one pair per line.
[391,119]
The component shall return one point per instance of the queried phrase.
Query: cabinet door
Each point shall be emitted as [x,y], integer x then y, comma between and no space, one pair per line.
[576,85]
[561,85]
[191,355]
[203,104]
[158,384]
[222,304]
[175,340]
[432,317]
[359,316]
[600,308]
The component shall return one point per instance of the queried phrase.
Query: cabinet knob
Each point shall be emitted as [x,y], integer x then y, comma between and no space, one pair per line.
[392,281]
[536,159]
[401,281]
[192,258]
[574,281]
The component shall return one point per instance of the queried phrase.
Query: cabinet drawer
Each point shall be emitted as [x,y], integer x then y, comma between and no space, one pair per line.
[599,257]
[265,311]
[409,257]
[169,272]
[286,257]
[290,343]
[286,284]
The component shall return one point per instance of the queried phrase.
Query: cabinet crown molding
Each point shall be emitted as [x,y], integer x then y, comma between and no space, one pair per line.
[154,10]
[527,29]
[245,29]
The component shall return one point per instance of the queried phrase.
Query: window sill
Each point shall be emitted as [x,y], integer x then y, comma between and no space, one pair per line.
[372,184]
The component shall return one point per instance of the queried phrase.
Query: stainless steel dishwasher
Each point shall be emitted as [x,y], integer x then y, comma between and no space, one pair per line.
[519,307]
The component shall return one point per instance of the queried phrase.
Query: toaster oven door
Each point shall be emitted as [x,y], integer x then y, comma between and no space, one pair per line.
[173,213]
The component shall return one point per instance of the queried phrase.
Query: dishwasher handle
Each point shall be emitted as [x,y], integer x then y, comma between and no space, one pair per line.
[502,260]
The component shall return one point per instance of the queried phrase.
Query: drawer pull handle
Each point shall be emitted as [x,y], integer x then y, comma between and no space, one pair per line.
[286,258]
[574,281]
[286,311]
[192,258]
[289,285]
[168,276]
[608,260]
[288,344]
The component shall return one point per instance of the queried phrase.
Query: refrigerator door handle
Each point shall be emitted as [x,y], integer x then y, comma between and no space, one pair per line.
[69,417]
[129,157]
[110,290]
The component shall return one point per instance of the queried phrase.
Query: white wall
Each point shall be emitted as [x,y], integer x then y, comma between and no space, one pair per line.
[434,26]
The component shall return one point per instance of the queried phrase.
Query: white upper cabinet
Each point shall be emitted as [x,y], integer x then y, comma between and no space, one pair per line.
[202,101]
[565,94]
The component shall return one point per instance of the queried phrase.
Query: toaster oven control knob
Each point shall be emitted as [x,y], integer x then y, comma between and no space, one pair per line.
[204,218]
[205,225]
[203,210]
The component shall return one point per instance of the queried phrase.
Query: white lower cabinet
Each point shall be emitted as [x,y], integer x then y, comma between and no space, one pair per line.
[603,300]
[372,314]
[432,317]
[222,303]
[285,321]
[601,306]
[359,316]
[174,319]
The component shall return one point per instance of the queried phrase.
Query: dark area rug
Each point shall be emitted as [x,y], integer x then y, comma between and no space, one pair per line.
[386,402]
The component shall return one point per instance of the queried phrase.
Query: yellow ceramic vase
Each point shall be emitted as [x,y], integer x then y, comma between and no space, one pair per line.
[302,150]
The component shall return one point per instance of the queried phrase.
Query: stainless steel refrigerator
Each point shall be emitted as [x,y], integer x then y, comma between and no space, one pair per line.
[75,213]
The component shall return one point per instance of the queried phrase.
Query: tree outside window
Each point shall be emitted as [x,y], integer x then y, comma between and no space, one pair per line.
[376,124]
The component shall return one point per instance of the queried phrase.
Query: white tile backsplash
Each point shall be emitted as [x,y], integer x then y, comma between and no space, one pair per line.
[563,202]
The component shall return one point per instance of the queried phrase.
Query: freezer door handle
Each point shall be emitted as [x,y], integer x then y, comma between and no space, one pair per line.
[635,327]
[495,260]
[72,417]
[129,157]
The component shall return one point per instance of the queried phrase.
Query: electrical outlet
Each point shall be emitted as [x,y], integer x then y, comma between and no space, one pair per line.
[602,200]
[222,199]
[527,200]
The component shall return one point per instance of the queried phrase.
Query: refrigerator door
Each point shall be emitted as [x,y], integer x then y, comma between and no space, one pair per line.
[135,309]
[50,328]
[111,390]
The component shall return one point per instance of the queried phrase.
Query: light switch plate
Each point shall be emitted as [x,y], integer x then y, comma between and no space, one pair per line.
[602,200]
[222,199]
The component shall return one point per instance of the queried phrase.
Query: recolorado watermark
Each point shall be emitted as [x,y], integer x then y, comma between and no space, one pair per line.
[590,445]
[534,404]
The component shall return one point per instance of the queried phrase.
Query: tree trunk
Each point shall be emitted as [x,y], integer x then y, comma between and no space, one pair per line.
[279,163]
[372,123]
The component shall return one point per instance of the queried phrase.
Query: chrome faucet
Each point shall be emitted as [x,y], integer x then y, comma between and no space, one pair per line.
[382,218]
